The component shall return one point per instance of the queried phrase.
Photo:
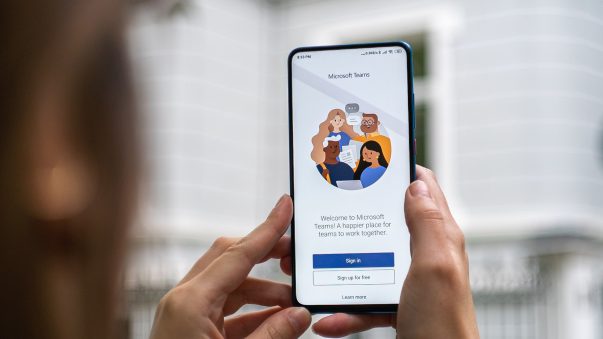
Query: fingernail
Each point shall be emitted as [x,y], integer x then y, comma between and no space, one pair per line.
[419,189]
[280,201]
[297,317]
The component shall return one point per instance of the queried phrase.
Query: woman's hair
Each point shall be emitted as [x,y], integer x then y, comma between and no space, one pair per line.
[371,145]
[318,155]
[77,46]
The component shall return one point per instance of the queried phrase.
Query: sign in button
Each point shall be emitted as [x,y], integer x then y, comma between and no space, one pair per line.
[352,260]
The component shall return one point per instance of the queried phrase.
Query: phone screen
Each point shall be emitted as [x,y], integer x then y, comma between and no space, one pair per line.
[351,162]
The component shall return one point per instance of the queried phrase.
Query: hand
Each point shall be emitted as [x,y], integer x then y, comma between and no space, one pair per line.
[218,285]
[436,297]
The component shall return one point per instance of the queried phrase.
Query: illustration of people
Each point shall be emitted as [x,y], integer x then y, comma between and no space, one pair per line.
[370,127]
[372,163]
[334,125]
[331,169]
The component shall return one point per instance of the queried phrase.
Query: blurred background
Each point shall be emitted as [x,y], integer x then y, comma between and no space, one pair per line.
[509,116]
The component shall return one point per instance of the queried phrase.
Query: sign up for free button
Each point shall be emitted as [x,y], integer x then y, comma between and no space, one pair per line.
[353,260]
[354,277]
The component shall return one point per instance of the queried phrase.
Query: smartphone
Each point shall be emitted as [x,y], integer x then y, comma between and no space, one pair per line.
[351,158]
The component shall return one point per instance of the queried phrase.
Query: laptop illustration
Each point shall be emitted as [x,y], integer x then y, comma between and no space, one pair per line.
[349,184]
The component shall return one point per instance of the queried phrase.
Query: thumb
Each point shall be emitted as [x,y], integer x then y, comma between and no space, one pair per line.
[424,218]
[289,323]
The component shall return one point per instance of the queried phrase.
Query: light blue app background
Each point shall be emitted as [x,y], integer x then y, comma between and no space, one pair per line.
[352,245]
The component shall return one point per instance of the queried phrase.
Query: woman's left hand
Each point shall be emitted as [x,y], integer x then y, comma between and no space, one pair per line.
[218,285]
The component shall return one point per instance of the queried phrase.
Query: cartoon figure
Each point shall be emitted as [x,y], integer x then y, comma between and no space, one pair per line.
[334,125]
[370,127]
[372,163]
[332,169]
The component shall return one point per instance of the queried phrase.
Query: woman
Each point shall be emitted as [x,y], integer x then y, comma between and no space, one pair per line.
[338,121]
[334,125]
[372,163]
[68,170]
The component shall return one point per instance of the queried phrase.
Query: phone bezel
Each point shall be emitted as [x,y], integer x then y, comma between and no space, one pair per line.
[368,308]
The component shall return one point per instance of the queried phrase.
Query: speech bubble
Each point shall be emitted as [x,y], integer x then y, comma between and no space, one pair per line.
[354,119]
[352,108]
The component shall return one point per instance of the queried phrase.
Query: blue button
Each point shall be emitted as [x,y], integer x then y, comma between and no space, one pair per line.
[345,260]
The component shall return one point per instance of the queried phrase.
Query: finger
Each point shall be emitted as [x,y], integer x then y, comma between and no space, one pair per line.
[258,292]
[217,248]
[240,326]
[341,324]
[286,265]
[424,218]
[280,250]
[289,323]
[220,245]
[427,176]
[226,273]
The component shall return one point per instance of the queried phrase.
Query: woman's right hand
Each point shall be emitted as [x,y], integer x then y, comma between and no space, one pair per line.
[436,299]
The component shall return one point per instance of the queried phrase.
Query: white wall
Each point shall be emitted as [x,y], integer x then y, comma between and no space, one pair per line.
[529,79]
[204,74]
